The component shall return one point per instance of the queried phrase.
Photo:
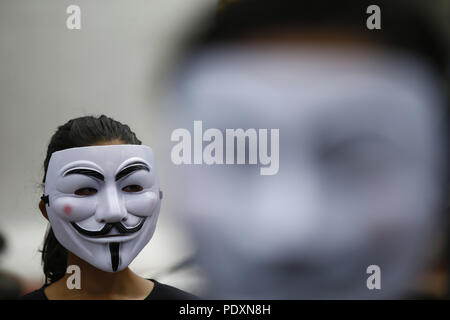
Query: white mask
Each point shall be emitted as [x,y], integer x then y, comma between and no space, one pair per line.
[359,181]
[103,202]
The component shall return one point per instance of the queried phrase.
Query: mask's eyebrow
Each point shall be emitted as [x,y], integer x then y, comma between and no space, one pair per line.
[131,168]
[86,172]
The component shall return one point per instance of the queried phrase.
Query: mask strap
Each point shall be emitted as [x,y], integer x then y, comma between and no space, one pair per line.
[45,199]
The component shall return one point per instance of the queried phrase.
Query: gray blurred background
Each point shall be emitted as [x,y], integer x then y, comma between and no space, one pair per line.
[48,75]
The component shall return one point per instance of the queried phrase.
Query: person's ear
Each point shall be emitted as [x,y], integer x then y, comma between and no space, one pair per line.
[43,209]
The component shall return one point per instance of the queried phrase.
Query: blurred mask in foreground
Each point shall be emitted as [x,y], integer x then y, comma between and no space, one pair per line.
[360,175]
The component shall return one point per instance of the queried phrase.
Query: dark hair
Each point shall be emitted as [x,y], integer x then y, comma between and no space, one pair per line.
[78,132]
[407,25]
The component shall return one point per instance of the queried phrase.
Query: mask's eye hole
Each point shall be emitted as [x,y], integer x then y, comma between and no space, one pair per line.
[86,191]
[132,188]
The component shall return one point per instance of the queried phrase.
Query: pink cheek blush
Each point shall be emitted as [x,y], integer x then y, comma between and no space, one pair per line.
[67,209]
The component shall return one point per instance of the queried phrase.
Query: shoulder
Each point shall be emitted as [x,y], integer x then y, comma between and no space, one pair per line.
[35,295]
[163,291]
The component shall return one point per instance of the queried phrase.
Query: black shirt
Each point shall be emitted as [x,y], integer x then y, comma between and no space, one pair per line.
[160,292]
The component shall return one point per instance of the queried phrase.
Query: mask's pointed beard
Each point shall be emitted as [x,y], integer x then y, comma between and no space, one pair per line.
[114,250]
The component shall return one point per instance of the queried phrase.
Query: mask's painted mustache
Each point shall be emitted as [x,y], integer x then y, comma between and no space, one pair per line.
[107,228]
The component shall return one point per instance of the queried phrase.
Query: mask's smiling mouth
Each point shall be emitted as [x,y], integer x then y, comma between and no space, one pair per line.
[103,233]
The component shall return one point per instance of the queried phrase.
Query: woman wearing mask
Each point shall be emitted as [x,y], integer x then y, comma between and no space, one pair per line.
[102,200]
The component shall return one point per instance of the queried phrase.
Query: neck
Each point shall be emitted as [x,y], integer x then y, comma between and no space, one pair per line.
[96,281]
[99,284]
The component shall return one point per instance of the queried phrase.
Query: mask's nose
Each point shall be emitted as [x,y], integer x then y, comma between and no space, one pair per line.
[109,209]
